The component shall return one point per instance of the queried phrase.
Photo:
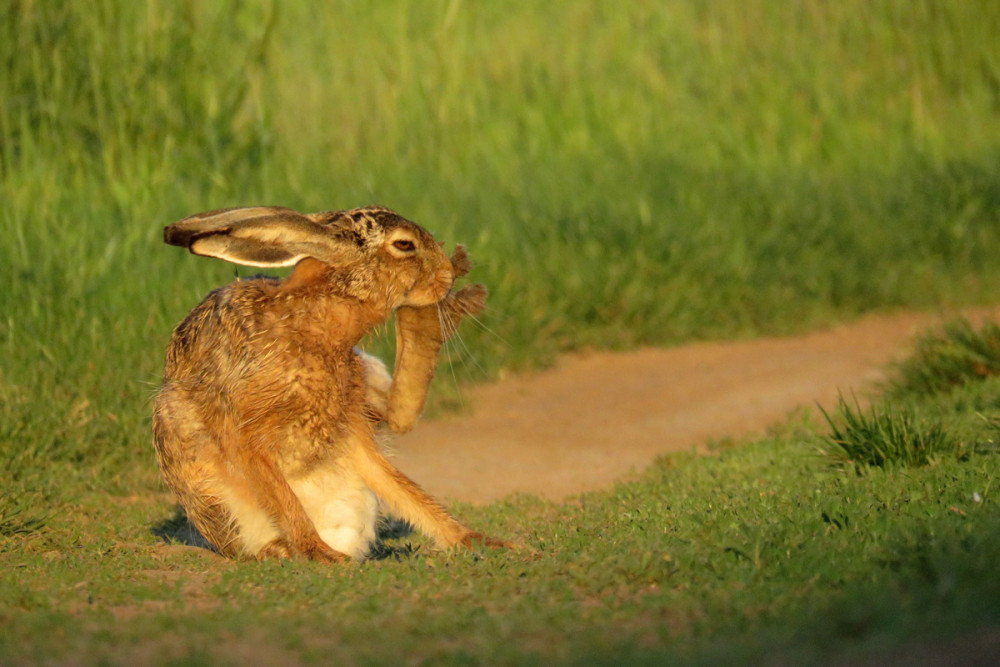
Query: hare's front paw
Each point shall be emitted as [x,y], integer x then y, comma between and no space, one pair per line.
[470,300]
[276,548]
[460,262]
[313,549]
[472,540]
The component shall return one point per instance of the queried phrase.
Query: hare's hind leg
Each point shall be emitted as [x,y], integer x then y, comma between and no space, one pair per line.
[188,458]
[225,508]
[233,492]
[217,502]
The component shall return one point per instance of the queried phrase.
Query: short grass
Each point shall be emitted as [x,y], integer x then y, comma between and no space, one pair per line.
[761,552]
[625,174]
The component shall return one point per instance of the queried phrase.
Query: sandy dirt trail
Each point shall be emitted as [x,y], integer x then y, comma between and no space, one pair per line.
[596,418]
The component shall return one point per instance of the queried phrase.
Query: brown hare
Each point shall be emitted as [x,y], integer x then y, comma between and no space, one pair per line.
[264,427]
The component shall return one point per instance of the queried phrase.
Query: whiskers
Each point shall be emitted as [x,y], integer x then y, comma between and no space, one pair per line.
[449,327]
[457,351]
[478,322]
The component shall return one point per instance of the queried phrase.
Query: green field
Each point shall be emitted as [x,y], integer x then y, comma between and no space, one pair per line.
[624,174]
[780,551]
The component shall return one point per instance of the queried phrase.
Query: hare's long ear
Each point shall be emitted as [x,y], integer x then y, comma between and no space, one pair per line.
[264,236]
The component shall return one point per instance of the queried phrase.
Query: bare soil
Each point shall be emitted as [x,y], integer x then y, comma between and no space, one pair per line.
[597,418]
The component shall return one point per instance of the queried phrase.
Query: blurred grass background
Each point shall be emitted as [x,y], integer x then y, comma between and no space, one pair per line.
[624,173]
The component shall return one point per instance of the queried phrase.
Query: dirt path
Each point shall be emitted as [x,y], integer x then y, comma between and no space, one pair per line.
[596,418]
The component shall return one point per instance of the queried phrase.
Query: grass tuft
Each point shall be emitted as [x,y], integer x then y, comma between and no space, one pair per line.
[955,356]
[887,436]
[19,515]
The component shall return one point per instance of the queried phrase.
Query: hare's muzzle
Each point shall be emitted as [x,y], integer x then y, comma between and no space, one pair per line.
[444,278]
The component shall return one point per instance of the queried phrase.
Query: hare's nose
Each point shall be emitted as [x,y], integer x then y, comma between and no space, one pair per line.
[446,274]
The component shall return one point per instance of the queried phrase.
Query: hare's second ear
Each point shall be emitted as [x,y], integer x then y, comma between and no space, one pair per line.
[263,236]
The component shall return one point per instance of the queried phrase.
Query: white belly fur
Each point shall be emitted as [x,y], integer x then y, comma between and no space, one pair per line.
[342,507]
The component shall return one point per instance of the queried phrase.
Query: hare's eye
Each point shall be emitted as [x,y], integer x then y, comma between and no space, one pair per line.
[404,245]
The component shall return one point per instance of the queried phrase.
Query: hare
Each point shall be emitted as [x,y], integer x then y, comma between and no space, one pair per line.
[264,427]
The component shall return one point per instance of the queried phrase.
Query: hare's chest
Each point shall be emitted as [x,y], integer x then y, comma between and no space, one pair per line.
[311,400]
[317,439]
[325,380]
[310,442]
[315,391]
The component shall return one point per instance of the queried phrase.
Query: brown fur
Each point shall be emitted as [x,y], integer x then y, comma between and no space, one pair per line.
[263,389]
[420,332]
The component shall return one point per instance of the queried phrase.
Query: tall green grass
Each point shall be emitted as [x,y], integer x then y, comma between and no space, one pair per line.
[631,173]
[948,358]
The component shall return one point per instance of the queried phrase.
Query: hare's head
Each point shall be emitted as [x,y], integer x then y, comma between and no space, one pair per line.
[399,255]
[368,253]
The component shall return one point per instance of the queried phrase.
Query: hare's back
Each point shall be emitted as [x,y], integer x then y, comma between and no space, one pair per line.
[219,334]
